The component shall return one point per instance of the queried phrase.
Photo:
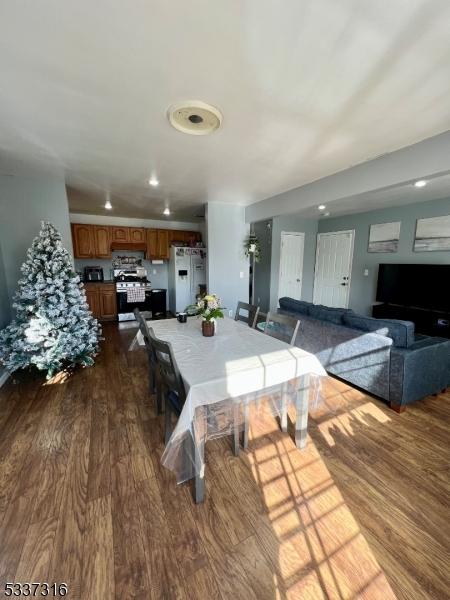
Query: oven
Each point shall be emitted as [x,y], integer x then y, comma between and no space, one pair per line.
[128,301]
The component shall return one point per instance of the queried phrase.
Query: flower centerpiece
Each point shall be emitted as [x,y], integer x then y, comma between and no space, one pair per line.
[210,310]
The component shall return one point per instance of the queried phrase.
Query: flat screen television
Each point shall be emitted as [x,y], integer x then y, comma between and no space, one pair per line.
[420,286]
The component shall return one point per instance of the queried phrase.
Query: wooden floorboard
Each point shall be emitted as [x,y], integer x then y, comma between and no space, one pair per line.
[362,512]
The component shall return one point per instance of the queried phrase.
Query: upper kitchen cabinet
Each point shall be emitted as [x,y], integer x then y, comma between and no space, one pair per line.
[137,235]
[158,247]
[83,240]
[120,234]
[97,241]
[184,237]
[163,243]
[152,243]
[102,241]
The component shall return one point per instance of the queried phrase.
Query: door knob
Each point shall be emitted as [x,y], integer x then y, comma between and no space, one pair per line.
[343,284]
[298,280]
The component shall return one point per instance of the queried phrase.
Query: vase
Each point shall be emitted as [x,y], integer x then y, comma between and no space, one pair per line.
[208,328]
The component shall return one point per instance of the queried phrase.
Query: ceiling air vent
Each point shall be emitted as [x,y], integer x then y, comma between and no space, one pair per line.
[194,117]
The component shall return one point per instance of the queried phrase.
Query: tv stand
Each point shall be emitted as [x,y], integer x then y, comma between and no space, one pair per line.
[427,322]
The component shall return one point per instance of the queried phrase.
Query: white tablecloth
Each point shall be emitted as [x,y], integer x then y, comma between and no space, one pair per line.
[237,364]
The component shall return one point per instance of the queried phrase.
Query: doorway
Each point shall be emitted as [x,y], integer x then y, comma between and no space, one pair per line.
[291,264]
[261,270]
[332,277]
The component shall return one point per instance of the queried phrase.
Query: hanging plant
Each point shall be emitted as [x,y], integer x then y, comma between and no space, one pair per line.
[252,247]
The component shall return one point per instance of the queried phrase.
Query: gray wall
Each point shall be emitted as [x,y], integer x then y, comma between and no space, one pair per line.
[24,203]
[227,268]
[5,311]
[263,230]
[363,289]
[309,228]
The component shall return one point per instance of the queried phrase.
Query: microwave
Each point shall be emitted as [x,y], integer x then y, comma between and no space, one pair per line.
[93,274]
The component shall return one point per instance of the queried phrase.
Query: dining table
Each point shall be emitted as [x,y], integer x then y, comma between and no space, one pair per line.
[224,375]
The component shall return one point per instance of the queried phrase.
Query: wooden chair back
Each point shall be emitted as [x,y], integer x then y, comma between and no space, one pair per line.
[252,313]
[168,367]
[143,327]
[282,327]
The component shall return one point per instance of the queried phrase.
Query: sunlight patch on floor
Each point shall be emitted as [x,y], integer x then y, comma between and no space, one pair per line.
[343,423]
[321,550]
[58,379]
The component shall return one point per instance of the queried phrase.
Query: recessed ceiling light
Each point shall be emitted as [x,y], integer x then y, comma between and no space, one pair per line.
[166,211]
[153,181]
[327,214]
[420,183]
[108,205]
[321,207]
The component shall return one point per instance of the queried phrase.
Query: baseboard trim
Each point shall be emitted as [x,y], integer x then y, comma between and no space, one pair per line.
[4,377]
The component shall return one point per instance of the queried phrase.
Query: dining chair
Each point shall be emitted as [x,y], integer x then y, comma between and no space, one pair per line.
[282,327]
[251,313]
[175,393]
[155,386]
[175,397]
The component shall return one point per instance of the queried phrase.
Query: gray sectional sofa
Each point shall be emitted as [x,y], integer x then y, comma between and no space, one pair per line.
[383,356]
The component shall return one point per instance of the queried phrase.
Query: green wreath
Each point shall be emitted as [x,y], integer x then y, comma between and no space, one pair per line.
[253,247]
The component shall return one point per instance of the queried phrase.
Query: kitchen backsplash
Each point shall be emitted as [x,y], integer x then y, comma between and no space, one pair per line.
[157,274]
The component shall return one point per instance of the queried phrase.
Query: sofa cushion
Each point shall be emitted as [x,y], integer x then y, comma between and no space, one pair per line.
[327,313]
[295,306]
[401,332]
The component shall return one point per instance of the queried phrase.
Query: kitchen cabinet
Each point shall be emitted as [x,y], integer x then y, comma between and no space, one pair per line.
[108,305]
[152,244]
[177,236]
[137,235]
[120,234]
[96,241]
[83,241]
[93,299]
[102,241]
[163,247]
[158,244]
[101,298]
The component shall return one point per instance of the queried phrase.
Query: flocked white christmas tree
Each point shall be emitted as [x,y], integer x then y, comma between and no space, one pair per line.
[53,327]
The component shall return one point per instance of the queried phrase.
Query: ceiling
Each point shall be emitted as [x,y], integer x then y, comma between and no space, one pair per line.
[305,91]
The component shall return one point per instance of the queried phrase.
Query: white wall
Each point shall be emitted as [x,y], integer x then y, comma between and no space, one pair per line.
[227,272]
[24,203]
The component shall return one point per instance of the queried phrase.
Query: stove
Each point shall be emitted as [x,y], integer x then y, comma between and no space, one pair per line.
[129,280]
[125,285]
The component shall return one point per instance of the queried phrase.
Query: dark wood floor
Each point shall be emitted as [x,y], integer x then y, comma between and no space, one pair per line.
[361,513]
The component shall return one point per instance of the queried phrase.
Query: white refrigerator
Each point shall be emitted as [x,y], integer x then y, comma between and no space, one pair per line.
[187,271]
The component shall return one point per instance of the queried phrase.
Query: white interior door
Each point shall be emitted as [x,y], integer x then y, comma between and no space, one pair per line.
[332,276]
[291,264]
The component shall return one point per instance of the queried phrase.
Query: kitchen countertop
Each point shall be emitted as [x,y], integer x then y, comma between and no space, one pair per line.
[106,281]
